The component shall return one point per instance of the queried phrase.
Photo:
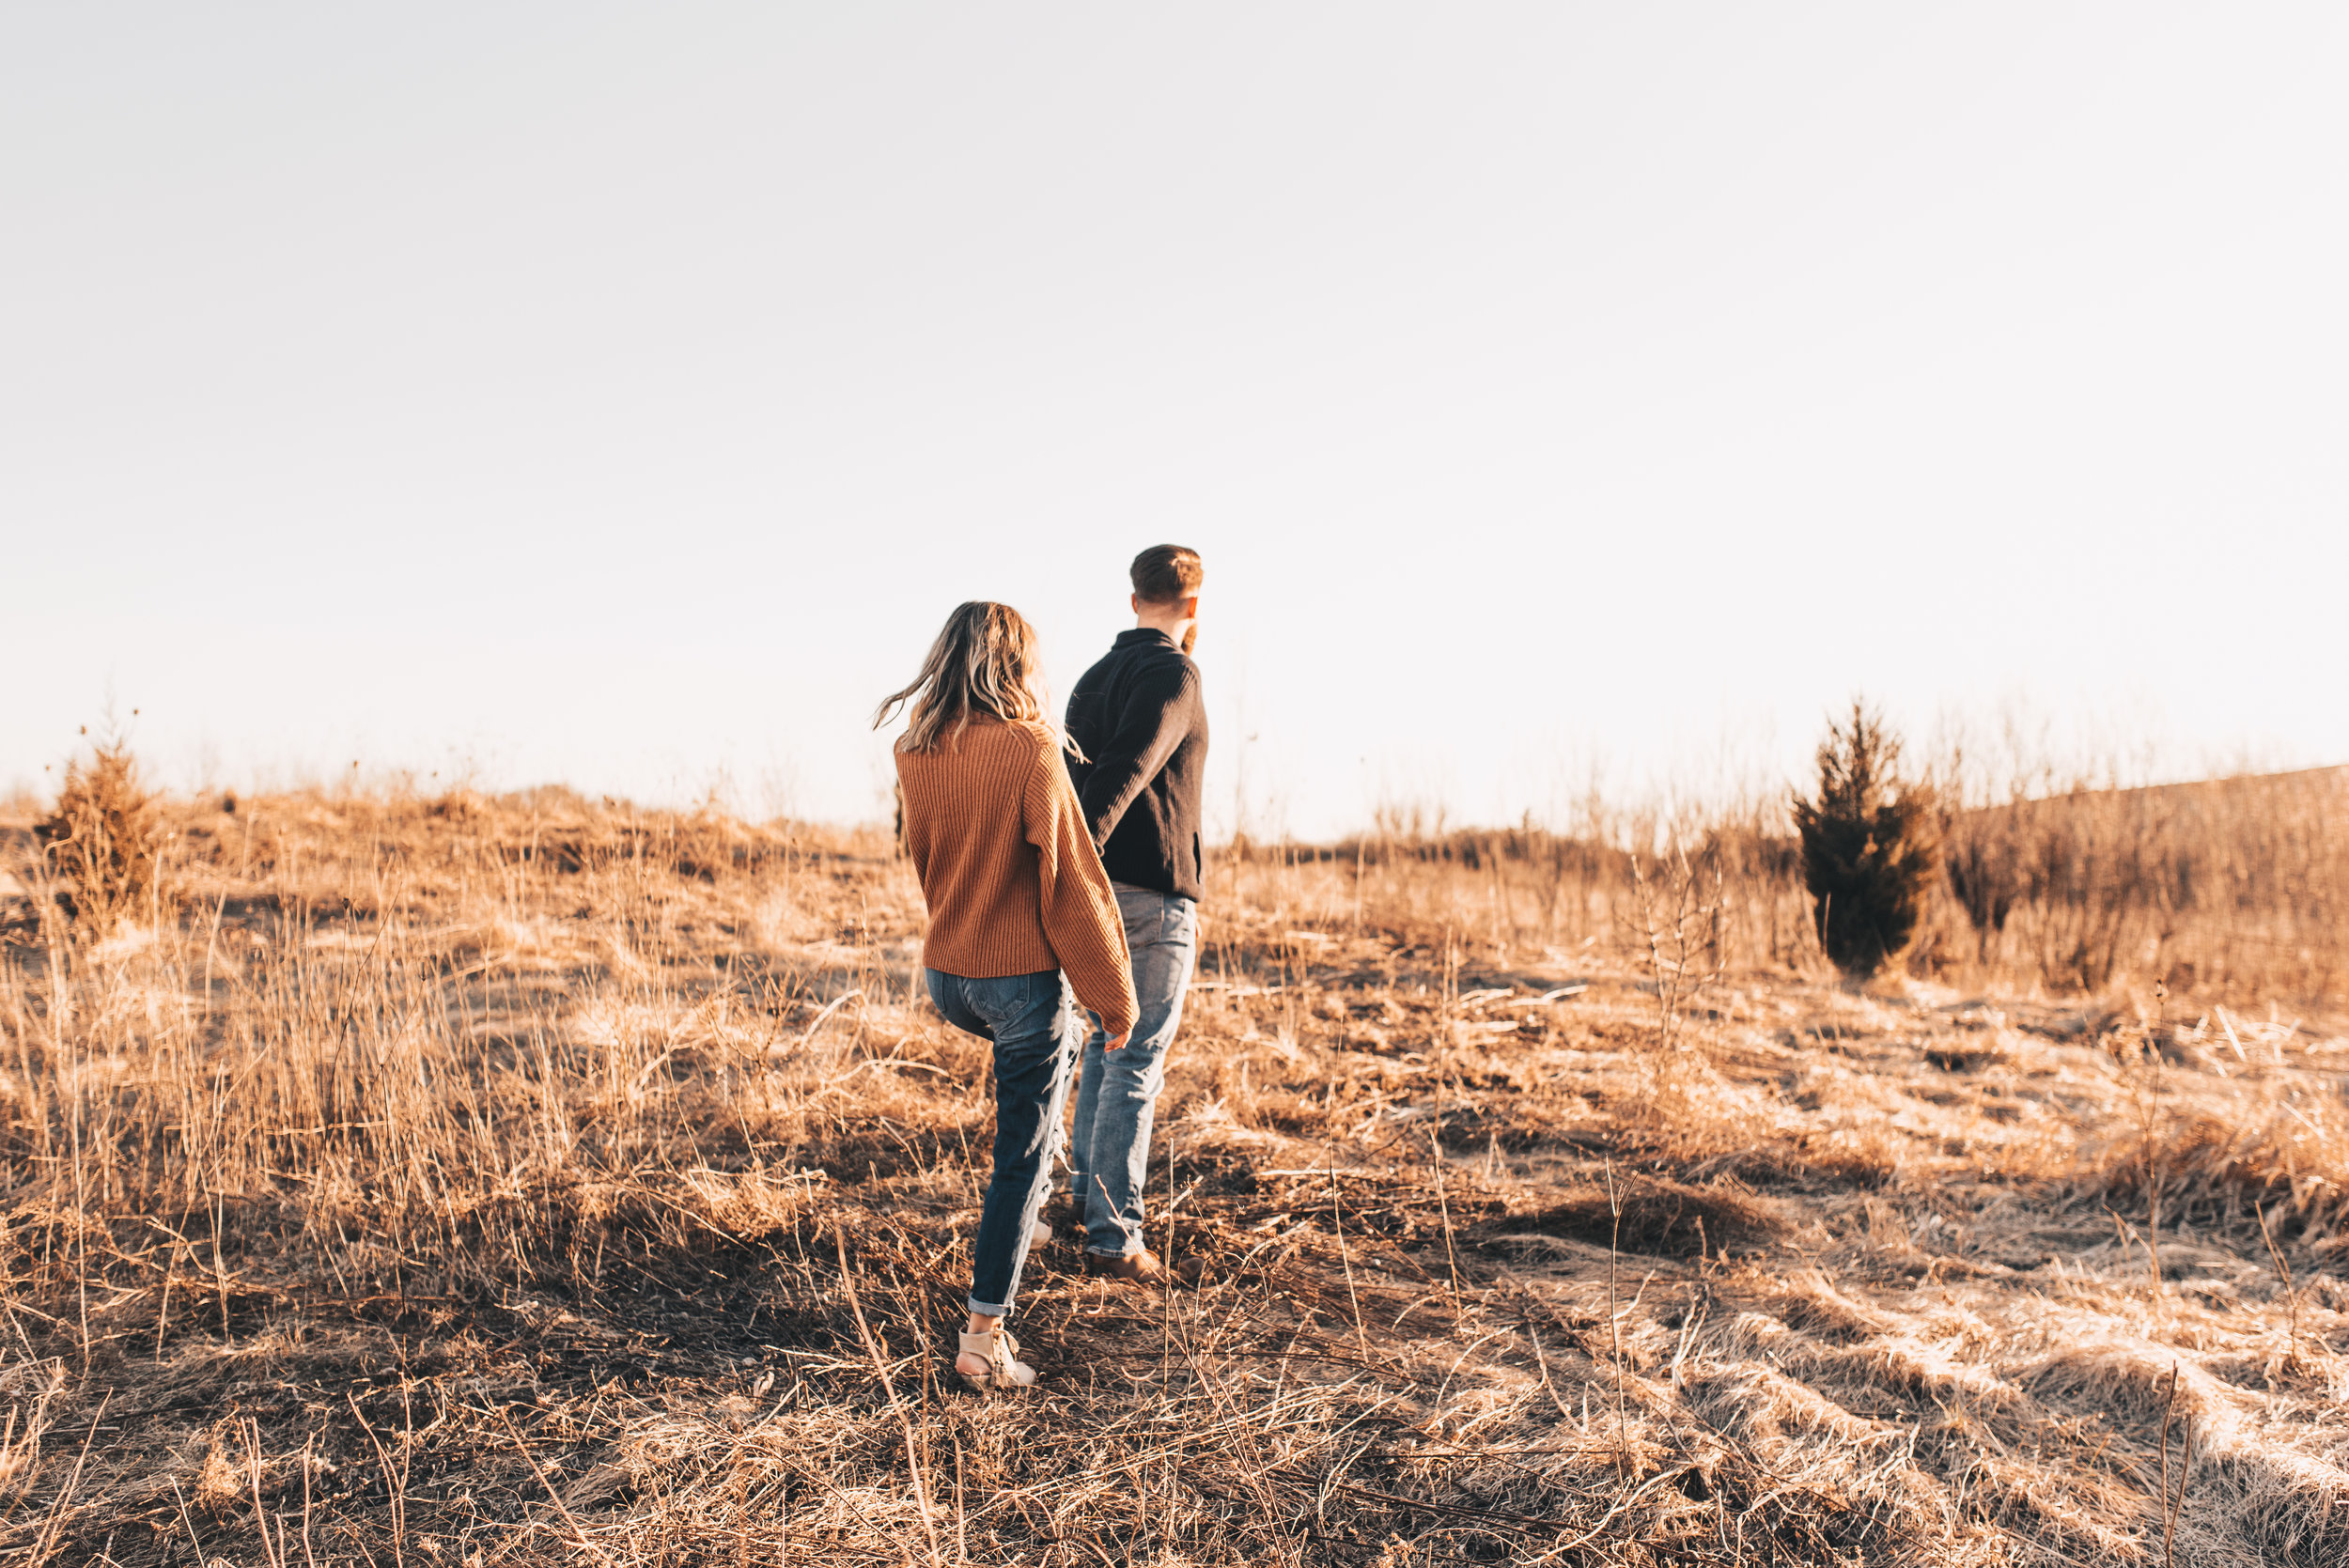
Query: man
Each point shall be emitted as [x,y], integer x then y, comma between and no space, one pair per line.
[1138,718]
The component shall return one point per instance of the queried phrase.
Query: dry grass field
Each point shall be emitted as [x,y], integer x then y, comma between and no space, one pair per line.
[459,1182]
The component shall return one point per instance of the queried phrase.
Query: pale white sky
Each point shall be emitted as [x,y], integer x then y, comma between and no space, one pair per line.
[622,394]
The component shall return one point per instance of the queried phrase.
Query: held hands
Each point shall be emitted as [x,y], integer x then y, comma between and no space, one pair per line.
[1118,1043]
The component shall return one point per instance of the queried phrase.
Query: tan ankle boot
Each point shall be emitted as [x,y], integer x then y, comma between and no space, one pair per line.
[1134,1269]
[997,1348]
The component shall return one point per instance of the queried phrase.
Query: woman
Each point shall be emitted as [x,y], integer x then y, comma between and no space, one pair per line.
[1016,898]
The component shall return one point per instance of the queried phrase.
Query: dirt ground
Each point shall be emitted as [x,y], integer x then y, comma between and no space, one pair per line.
[466,1182]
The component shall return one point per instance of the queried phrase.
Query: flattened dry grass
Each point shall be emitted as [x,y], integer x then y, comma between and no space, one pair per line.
[501,1182]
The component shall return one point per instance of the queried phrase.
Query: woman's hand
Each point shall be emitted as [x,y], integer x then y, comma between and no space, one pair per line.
[1118,1044]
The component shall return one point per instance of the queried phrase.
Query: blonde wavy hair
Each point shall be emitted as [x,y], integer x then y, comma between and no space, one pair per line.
[984,664]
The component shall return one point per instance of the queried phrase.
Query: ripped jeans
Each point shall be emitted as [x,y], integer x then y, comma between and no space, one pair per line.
[1036,1030]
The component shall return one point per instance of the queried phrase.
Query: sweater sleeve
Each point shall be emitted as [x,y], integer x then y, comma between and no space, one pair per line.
[1079,908]
[1155,719]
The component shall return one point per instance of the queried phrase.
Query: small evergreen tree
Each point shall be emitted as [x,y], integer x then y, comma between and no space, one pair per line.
[1870,846]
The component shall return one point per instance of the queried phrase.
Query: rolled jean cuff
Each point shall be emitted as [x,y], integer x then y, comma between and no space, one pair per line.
[1001,1309]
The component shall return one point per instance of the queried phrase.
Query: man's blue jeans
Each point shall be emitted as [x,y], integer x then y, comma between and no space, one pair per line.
[1117,1094]
[1036,1032]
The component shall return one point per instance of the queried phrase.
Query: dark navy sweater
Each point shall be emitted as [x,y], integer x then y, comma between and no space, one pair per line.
[1139,720]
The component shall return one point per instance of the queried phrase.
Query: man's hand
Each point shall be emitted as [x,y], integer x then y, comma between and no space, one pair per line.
[1118,1044]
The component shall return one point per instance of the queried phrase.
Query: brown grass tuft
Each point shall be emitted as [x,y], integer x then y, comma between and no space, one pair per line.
[99,844]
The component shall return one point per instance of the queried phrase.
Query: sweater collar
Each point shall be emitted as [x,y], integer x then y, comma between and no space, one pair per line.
[1142,636]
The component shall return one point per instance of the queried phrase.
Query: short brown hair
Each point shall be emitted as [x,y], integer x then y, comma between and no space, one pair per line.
[1164,573]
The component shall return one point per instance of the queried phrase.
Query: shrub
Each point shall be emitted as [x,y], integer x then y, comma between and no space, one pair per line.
[100,841]
[1982,854]
[1870,851]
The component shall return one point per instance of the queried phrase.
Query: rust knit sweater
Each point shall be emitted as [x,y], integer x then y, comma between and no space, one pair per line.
[1010,872]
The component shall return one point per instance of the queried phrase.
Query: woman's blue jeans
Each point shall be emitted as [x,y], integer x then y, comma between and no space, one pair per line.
[1036,1033]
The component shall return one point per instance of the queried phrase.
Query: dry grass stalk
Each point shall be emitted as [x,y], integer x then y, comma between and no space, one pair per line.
[2291,1289]
[889,1387]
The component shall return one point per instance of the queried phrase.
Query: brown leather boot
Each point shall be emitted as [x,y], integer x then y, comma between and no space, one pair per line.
[1134,1269]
